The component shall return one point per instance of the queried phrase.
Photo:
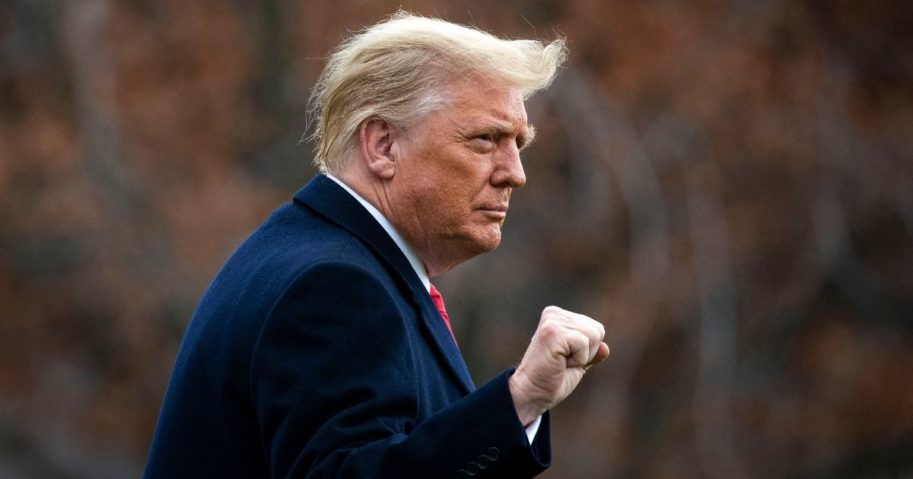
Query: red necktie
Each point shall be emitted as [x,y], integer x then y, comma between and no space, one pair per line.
[439,302]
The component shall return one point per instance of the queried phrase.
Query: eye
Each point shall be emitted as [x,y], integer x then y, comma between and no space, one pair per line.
[483,142]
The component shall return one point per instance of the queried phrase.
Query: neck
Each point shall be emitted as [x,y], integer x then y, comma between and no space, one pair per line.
[377,193]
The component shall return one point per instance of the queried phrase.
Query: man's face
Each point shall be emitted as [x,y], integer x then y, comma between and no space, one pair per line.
[455,170]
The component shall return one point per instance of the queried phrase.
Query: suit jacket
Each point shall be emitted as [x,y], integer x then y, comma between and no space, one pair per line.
[317,352]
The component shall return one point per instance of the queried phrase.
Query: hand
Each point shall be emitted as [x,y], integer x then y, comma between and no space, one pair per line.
[564,346]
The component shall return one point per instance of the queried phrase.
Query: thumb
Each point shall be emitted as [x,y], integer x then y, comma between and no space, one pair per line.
[601,354]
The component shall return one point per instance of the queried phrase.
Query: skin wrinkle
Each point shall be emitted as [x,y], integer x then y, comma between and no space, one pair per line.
[445,224]
[448,222]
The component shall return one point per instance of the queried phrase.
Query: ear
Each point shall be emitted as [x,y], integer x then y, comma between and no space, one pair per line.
[376,140]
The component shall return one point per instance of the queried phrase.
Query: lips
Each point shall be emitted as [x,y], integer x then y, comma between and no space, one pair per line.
[495,212]
[498,208]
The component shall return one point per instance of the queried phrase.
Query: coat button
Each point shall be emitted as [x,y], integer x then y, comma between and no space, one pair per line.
[483,461]
[465,473]
[494,453]
[472,469]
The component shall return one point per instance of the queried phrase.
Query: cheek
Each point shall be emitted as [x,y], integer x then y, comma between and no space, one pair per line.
[449,185]
[448,203]
[446,210]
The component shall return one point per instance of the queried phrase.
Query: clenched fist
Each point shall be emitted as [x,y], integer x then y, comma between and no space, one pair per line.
[564,346]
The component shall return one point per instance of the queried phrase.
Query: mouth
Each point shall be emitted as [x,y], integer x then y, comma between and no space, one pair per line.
[494,211]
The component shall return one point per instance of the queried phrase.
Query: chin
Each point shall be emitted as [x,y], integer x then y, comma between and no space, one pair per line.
[488,242]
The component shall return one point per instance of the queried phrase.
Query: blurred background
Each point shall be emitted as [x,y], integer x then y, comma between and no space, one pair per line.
[727,185]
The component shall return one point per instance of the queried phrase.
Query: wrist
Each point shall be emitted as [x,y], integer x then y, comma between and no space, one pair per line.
[525,407]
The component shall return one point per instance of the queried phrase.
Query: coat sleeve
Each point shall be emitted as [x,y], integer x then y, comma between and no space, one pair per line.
[334,387]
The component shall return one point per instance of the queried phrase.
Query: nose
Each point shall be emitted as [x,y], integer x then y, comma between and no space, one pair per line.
[508,168]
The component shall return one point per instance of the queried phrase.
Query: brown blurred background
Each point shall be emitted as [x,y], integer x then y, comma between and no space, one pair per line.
[728,186]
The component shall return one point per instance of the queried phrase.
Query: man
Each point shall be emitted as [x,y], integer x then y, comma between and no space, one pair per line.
[321,349]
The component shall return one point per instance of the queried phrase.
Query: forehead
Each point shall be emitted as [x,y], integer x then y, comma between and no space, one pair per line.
[486,102]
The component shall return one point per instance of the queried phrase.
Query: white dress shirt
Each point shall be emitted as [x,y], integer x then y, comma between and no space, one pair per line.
[416,263]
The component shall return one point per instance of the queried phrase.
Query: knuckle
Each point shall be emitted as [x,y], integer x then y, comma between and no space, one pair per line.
[598,332]
[596,324]
[551,310]
[549,329]
[581,338]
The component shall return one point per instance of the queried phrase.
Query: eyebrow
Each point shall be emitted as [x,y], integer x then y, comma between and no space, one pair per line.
[525,136]
[529,136]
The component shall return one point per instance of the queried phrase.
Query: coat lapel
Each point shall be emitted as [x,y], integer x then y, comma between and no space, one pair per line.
[328,199]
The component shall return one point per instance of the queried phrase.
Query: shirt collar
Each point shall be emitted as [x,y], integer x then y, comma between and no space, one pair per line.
[394,235]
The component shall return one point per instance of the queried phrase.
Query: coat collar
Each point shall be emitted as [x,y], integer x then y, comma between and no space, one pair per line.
[335,204]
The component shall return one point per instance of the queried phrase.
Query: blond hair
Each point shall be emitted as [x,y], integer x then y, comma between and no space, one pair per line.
[398,69]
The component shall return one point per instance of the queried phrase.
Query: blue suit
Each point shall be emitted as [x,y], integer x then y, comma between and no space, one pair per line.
[317,352]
